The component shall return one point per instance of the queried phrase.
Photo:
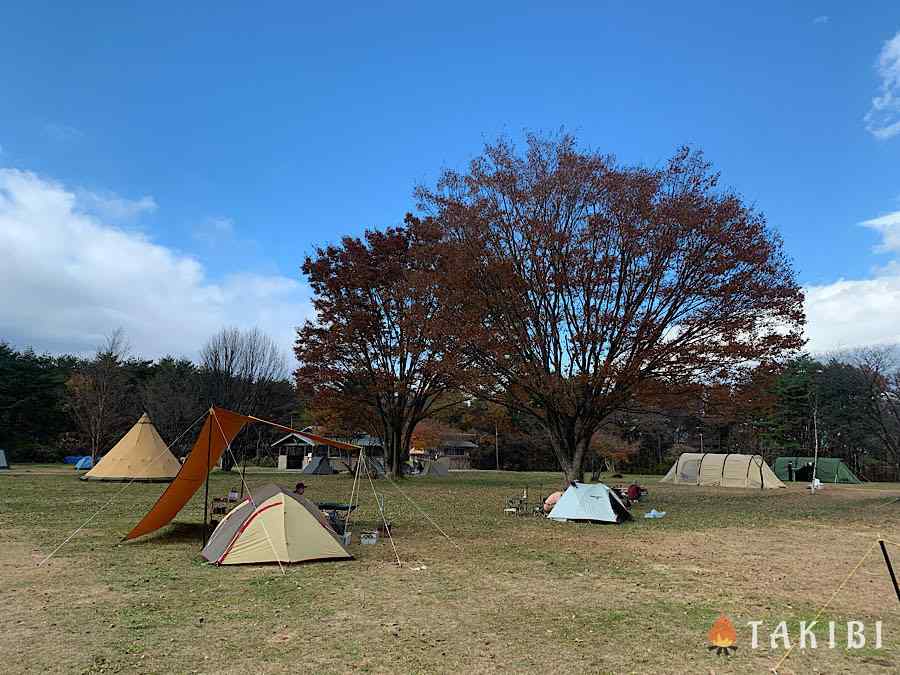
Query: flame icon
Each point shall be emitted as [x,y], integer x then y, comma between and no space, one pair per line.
[722,636]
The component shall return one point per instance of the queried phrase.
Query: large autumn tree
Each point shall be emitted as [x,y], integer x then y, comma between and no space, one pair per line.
[577,280]
[378,348]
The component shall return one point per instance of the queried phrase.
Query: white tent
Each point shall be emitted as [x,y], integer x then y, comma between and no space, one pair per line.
[721,470]
[592,502]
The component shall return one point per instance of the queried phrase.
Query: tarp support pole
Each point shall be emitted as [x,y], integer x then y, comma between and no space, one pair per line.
[887,561]
[208,469]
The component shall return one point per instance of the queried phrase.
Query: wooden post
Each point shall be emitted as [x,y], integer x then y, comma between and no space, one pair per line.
[206,491]
[496,447]
[887,561]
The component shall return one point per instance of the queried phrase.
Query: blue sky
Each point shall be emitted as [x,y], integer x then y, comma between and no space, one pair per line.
[239,138]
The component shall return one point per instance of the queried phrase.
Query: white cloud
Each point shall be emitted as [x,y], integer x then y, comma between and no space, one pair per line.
[822,19]
[883,118]
[856,312]
[69,278]
[110,206]
[889,228]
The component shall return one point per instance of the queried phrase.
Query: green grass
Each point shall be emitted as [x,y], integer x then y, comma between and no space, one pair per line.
[520,594]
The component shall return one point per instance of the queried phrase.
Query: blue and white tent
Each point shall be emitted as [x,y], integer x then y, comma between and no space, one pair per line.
[592,502]
[84,464]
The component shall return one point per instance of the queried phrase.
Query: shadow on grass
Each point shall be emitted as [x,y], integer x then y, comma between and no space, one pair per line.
[177,533]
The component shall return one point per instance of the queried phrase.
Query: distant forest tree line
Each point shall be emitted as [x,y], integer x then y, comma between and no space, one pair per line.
[52,406]
[853,399]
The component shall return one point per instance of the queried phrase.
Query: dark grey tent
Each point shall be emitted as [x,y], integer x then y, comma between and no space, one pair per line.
[319,465]
[3,463]
[375,465]
[436,467]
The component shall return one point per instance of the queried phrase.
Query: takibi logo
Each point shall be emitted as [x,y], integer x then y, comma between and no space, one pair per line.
[722,636]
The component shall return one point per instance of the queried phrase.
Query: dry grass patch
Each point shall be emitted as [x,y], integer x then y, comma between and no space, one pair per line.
[523,594]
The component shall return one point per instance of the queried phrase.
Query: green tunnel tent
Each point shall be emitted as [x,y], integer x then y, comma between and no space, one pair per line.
[828,470]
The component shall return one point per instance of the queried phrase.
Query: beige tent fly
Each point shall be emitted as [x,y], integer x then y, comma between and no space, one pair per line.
[715,470]
[140,455]
[275,526]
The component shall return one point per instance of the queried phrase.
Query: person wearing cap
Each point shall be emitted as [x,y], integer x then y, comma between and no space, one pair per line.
[300,488]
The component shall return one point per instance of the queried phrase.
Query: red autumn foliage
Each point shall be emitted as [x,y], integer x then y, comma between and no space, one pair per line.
[378,355]
[576,281]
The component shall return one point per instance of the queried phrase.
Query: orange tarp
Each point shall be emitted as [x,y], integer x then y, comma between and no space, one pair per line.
[219,430]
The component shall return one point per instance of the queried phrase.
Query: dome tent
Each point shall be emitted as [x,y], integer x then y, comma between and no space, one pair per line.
[591,502]
[722,470]
[273,526]
[140,455]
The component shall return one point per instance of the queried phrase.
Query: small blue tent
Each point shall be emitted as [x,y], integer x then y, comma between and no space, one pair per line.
[590,502]
[84,464]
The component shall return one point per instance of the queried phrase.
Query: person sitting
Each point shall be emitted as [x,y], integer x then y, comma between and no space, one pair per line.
[300,488]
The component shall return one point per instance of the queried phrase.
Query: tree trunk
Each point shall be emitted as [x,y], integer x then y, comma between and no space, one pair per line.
[393,448]
[570,454]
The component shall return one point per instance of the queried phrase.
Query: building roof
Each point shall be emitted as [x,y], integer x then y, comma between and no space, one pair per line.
[458,444]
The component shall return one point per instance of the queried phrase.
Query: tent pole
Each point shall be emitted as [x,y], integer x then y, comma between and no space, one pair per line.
[206,491]
[887,561]
[244,468]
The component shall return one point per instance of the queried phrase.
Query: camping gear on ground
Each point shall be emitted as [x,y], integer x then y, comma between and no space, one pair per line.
[653,513]
[84,464]
[4,464]
[337,514]
[222,505]
[622,493]
[273,526]
[319,466]
[140,455]
[828,469]
[436,467]
[591,502]
[516,506]
[368,537]
[722,470]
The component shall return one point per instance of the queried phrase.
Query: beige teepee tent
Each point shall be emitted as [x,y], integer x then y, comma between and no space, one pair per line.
[273,526]
[719,470]
[140,455]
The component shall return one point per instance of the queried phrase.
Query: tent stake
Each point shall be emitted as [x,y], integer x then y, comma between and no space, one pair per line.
[887,561]
[206,491]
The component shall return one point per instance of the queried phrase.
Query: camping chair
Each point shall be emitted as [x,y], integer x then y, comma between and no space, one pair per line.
[336,514]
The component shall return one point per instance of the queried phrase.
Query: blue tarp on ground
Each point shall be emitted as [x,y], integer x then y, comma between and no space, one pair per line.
[84,464]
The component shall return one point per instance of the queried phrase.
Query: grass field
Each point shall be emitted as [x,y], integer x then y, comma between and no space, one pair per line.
[519,594]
